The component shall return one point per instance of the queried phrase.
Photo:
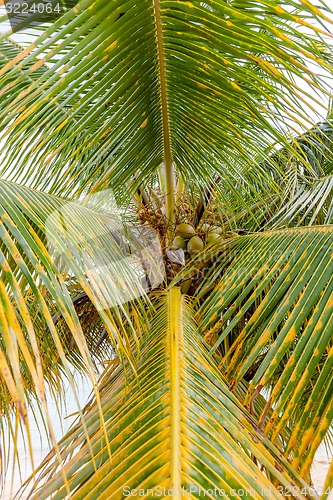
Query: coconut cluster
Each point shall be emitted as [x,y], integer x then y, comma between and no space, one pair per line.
[188,239]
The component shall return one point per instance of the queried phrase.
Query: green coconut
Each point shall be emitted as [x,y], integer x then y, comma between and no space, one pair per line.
[206,227]
[195,244]
[212,238]
[178,242]
[185,230]
[216,229]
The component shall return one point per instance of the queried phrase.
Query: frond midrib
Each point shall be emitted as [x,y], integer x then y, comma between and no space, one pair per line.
[175,345]
[167,153]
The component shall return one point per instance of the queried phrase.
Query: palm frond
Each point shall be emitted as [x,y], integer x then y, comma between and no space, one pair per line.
[270,296]
[298,192]
[311,204]
[328,483]
[40,323]
[102,87]
[176,427]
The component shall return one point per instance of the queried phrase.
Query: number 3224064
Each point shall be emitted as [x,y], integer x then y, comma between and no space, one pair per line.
[33,8]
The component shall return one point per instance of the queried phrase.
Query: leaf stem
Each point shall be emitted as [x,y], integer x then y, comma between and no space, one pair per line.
[168,163]
[175,311]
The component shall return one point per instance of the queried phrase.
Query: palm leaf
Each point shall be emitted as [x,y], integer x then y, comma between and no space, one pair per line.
[311,204]
[270,295]
[300,194]
[34,288]
[84,99]
[328,483]
[178,428]
[114,98]
[307,200]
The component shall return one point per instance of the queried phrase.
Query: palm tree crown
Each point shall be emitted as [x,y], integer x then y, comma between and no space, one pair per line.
[166,209]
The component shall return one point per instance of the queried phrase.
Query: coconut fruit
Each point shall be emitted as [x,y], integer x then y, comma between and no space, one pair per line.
[195,244]
[212,238]
[206,227]
[178,242]
[185,230]
[216,229]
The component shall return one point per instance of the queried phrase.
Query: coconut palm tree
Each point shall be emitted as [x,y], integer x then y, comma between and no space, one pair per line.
[166,201]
